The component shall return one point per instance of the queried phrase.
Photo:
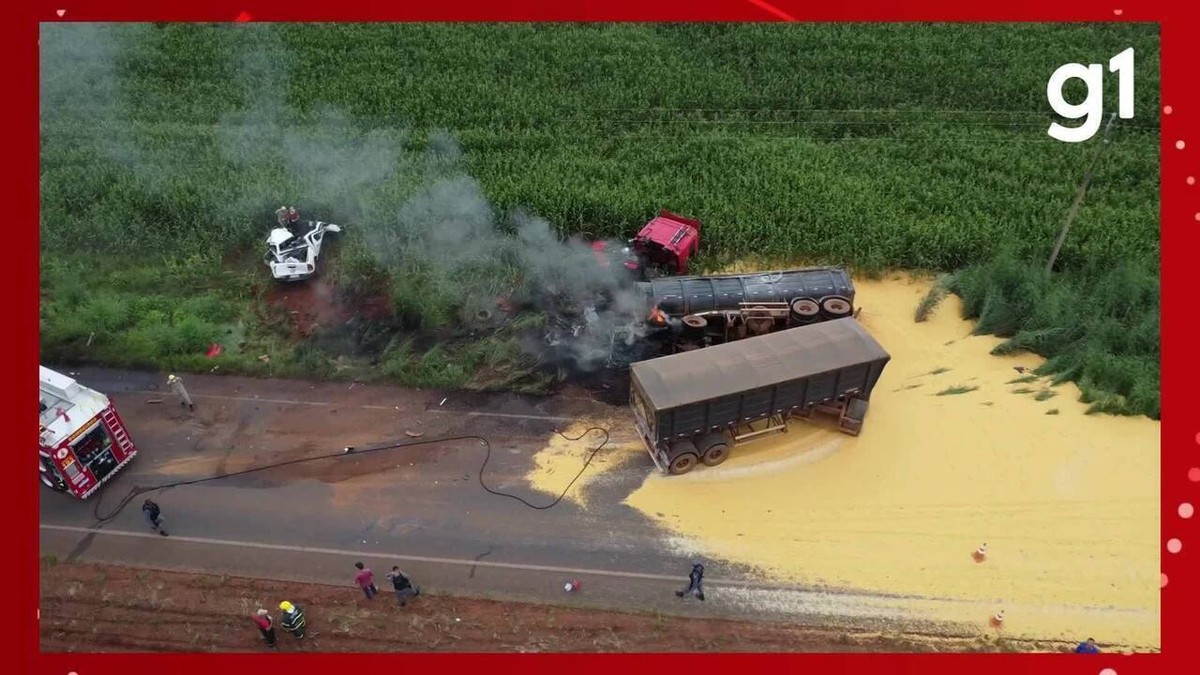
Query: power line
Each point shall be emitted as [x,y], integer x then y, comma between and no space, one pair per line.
[353,451]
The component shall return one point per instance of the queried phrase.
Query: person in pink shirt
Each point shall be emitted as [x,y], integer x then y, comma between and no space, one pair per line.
[365,579]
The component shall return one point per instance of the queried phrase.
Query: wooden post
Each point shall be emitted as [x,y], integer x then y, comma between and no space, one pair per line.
[1087,179]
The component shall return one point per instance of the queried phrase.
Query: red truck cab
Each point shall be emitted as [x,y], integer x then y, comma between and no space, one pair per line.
[663,247]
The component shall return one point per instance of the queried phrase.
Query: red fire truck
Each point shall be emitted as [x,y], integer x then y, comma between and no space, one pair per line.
[82,440]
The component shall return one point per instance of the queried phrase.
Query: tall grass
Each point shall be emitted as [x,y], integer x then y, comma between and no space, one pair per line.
[1099,325]
[919,146]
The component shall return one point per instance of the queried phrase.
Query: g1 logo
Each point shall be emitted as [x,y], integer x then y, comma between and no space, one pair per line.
[1091,110]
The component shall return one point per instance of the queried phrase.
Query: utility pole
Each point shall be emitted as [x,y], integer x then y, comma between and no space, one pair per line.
[1087,179]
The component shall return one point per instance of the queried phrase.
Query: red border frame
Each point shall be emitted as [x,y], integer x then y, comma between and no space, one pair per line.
[1180,222]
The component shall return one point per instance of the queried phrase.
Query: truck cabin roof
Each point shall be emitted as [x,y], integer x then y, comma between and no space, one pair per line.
[744,365]
[670,231]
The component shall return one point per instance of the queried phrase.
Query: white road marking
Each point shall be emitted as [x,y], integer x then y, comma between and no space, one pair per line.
[804,599]
[408,558]
[285,401]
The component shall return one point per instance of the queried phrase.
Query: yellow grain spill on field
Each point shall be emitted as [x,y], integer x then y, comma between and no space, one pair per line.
[1067,503]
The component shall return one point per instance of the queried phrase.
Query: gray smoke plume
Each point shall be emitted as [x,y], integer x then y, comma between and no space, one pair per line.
[413,206]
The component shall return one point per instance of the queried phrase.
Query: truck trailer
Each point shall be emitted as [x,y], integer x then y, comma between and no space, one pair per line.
[694,406]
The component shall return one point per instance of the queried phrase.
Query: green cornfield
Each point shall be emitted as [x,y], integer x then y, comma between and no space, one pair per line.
[165,149]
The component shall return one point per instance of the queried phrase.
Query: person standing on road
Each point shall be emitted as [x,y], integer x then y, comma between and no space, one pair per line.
[695,583]
[1088,647]
[153,515]
[263,620]
[176,386]
[365,579]
[293,620]
[403,585]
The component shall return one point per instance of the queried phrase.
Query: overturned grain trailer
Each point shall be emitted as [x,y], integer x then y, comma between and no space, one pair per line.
[694,406]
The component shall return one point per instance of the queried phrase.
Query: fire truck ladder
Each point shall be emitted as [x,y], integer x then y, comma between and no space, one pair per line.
[118,430]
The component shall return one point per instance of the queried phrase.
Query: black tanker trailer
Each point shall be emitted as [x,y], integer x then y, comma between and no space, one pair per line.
[694,406]
[686,313]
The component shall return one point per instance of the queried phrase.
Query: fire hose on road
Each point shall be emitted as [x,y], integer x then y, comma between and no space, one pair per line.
[353,451]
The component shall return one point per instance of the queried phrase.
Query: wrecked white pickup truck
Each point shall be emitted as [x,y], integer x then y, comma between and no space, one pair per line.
[293,248]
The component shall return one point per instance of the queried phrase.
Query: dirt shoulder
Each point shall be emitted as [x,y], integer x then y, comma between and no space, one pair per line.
[106,608]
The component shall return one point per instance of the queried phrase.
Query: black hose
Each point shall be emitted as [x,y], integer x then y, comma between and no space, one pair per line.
[135,491]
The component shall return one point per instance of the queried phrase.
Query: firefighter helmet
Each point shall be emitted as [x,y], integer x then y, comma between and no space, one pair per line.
[286,606]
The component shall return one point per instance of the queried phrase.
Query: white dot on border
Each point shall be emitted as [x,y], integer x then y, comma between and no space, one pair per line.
[1191,180]
[1118,12]
[1108,671]
[1167,110]
[1186,510]
[1179,145]
[1162,581]
[1174,545]
[1194,474]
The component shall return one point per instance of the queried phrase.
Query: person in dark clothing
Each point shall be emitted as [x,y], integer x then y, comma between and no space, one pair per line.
[695,583]
[1088,647]
[403,585]
[293,620]
[153,516]
[365,580]
[263,620]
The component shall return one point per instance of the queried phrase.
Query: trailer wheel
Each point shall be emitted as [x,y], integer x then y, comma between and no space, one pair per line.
[805,310]
[683,463]
[715,454]
[836,307]
[758,325]
[714,448]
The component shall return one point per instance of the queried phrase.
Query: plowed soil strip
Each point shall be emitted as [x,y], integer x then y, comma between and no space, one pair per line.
[105,608]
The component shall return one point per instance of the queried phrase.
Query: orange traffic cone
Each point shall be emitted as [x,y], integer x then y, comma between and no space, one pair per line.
[997,620]
[980,554]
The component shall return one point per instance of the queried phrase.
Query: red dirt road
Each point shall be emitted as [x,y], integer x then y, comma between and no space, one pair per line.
[89,607]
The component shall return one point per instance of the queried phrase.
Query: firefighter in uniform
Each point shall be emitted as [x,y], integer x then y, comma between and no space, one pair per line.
[176,386]
[293,620]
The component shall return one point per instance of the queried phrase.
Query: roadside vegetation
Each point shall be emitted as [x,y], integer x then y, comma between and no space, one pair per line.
[877,146]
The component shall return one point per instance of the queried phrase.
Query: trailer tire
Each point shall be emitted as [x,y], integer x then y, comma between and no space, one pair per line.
[682,463]
[836,307]
[805,310]
[714,448]
[715,454]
